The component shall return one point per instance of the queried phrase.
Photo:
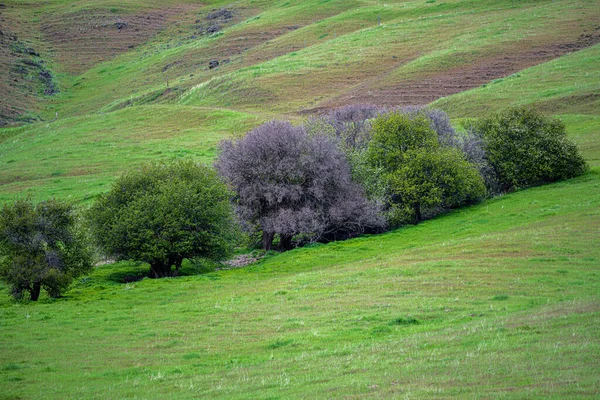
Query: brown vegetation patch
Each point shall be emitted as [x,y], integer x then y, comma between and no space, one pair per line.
[232,49]
[21,76]
[554,312]
[85,38]
[8,89]
[440,83]
[588,103]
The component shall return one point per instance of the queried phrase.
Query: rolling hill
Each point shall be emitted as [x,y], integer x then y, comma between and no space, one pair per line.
[496,300]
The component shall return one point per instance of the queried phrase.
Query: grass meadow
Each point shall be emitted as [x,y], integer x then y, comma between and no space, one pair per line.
[495,300]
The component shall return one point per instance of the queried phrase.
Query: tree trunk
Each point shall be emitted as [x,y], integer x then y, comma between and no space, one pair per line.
[159,270]
[178,260]
[418,216]
[285,242]
[267,240]
[35,291]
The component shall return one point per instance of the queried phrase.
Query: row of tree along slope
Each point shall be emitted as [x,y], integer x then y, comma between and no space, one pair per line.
[359,169]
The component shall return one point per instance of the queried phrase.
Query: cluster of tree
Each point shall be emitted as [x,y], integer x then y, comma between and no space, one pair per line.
[291,183]
[359,169]
[363,169]
[159,213]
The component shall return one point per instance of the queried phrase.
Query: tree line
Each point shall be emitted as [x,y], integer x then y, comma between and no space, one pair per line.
[359,169]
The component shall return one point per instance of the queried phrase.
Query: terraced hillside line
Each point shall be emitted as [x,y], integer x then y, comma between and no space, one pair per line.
[244,43]
[436,84]
[85,38]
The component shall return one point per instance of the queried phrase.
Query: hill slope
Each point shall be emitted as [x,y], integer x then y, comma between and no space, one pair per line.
[500,299]
[276,58]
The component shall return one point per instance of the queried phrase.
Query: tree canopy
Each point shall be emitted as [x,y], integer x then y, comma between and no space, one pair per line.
[41,246]
[422,173]
[291,183]
[163,213]
[527,148]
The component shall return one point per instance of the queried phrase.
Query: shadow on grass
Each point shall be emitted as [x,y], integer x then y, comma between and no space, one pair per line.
[123,272]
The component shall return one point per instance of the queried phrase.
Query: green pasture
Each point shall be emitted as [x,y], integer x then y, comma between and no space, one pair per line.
[500,299]
[78,157]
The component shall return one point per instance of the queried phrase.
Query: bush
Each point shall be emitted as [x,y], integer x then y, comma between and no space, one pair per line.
[526,148]
[438,121]
[422,175]
[163,213]
[291,183]
[350,126]
[41,246]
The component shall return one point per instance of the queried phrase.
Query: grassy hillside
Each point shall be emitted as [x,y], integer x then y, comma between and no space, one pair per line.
[500,299]
[277,59]
[78,157]
[567,85]
[497,300]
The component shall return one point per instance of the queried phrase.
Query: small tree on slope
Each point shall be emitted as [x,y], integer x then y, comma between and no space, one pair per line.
[164,213]
[41,247]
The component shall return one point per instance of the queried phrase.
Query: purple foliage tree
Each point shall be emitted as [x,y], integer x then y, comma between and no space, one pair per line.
[290,183]
[352,124]
[438,121]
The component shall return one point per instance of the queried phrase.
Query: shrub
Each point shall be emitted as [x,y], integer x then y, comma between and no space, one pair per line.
[526,148]
[352,124]
[422,175]
[41,246]
[163,213]
[291,183]
[473,147]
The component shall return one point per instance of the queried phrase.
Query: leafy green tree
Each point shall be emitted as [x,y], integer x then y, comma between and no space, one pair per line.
[163,213]
[41,246]
[435,179]
[421,174]
[527,148]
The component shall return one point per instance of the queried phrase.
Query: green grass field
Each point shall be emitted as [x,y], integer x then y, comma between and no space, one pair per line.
[498,300]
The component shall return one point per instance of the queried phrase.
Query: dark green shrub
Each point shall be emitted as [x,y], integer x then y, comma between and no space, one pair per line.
[405,321]
[422,175]
[163,213]
[526,148]
[41,246]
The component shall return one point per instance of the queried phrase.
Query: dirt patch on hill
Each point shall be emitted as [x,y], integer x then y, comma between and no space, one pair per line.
[8,86]
[85,38]
[436,84]
[24,78]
